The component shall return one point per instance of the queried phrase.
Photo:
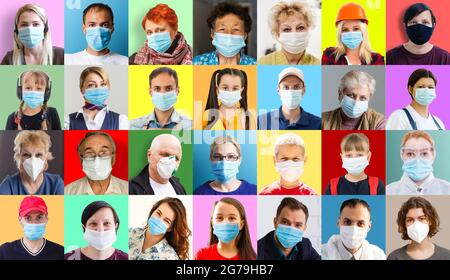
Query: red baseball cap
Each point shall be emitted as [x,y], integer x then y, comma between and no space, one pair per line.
[32,203]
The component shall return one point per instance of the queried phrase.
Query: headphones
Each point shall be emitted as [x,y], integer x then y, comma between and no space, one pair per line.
[48,88]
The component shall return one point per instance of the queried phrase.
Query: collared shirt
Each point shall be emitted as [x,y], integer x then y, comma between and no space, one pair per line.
[275,120]
[176,121]
[406,186]
[160,251]
[279,58]
[346,255]
[81,186]
[212,58]
[97,122]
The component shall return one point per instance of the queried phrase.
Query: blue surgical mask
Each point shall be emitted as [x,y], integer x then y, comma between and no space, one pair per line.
[228,45]
[96,96]
[418,169]
[164,101]
[229,98]
[424,96]
[288,236]
[34,231]
[31,36]
[225,170]
[160,41]
[291,98]
[352,108]
[352,39]
[33,99]
[226,232]
[156,226]
[98,37]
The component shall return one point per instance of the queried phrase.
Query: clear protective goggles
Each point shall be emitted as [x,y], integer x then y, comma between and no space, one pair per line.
[408,153]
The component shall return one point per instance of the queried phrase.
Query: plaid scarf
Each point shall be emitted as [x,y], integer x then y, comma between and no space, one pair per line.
[93,107]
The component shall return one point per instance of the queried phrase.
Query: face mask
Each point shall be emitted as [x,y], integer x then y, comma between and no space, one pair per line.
[294,42]
[225,170]
[226,232]
[156,226]
[417,169]
[167,166]
[97,169]
[164,101]
[290,170]
[31,36]
[352,39]
[160,41]
[291,98]
[34,231]
[100,240]
[352,236]
[352,108]
[33,166]
[418,231]
[228,45]
[288,236]
[96,96]
[229,98]
[419,34]
[356,165]
[33,99]
[98,38]
[424,96]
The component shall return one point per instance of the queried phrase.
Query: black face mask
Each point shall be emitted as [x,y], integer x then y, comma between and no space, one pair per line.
[419,34]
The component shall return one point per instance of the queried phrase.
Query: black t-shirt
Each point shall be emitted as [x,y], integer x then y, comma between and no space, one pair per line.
[354,188]
[17,250]
[34,122]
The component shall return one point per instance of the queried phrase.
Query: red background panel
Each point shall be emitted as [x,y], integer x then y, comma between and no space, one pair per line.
[72,165]
[332,162]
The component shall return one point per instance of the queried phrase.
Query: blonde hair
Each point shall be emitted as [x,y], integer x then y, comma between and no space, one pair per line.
[365,51]
[47,49]
[289,139]
[95,70]
[35,138]
[417,134]
[220,140]
[288,9]
[355,78]
[355,141]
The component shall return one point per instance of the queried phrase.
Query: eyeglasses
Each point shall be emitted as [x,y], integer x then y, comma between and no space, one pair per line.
[228,157]
[90,156]
[410,153]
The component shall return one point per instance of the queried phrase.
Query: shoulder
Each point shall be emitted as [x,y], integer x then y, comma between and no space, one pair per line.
[309,59]
[53,246]
[131,59]
[312,118]
[397,253]
[440,51]
[395,51]
[203,59]
[58,51]
[204,188]
[120,255]
[377,251]
[7,59]
[247,187]
[205,253]
[119,59]
[329,114]
[75,186]
[139,123]
[10,184]
[443,252]
[268,58]
[247,60]
[329,51]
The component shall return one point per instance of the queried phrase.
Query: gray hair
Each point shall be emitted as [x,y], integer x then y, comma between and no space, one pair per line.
[355,78]
[289,139]
[94,133]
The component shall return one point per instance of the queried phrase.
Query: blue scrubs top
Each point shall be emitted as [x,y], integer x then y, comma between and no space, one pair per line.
[52,184]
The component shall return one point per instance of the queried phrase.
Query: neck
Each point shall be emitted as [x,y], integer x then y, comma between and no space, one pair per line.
[90,113]
[163,116]
[353,55]
[153,174]
[228,60]
[229,186]
[418,49]
[425,245]
[352,251]
[420,109]
[99,186]
[228,250]
[356,178]
[30,185]
[28,111]
[97,53]
[291,115]
[33,245]
[293,58]
[95,254]
[152,240]
[286,251]
[33,54]
[289,185]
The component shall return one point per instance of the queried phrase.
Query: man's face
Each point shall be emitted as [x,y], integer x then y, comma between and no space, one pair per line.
[98,18]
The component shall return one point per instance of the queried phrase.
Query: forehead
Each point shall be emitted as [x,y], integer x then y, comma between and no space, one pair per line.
[168,146]
[229,20]
[296,215]
[102,214]
[291,80]
[417,143]
[358,90]
[32,148]
[29,16]
[425,81]
[97,14]
[230,79]
[415,212]
[359,212]
[423,15]
[33,78]
[163,79]
[350,23]
[166,211]
[149,24]
[95,141]
[93,77]
[293,18]
[290,149]
[225,148]
[225,209]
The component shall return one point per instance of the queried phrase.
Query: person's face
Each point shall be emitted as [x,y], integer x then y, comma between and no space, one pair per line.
[291,83]
[351,26]
[357,216]
[93,80]
[34,217]
[292,23]
[152,27]
[97,145]
[163,149]
[29,151]
[353,153]
[226,151]
[33,83]
[29,19]
[230,83]
[102,220]
[291,217]
[422,83]
[359,93]
[290,152]
[98,18]
[422,18]
[163,83]
[416,214]
[417,147]
[166,214]
[229,24]
[227,213]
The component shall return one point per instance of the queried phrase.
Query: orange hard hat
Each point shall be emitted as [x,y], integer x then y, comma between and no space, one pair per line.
[352,11]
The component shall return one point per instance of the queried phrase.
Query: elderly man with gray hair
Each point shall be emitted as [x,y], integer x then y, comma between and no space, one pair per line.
[156,178]
[355,91]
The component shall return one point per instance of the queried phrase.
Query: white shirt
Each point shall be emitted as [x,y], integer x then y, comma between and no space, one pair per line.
[81,186]
[162,189]
[334,250]
[97,122]
[399,121]
[406,186]
[348,61]
[85,58]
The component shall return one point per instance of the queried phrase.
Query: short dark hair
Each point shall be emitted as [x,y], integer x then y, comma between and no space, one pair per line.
[353,202]
[428,209]
[415,10]
[292,204]
[419,74]
[161,70]
[225,8]
[98,6]
[93,207]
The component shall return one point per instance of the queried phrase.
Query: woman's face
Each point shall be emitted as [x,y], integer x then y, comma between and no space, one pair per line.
[152,27]
[166,214]
[225,151]
[29,19]
[92,81]
[417,147]
[29,151]
[102,220]
[230,83]
[229,24]
[358,93]
[423,83]
[227,213]
[351,26]
[292,23]
[422,18]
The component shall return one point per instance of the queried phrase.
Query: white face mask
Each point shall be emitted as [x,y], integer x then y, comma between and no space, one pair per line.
[353,236]
[100,240]
[356,165]
[97,169]
[167,166]
[290,170]
[418,231]
[294,42]
[229,98]
[291,98]
[33,166]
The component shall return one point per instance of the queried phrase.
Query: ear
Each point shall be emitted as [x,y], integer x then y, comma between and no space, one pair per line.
[83,28]
[304,89]
[242,89]
[275,222]
[113,160]
[241,224]
[149,154]
[369,226]
[178,90]
[274,160]
[369,156]
[212,34]
[338,222]
[411,91]
[305,160]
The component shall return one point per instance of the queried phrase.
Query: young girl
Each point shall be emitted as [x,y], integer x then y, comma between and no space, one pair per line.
[355,154]
[227,107]
[229,236]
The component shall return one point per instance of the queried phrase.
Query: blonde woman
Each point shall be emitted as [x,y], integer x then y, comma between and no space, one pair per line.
[32,39]
[353,44]
[291,24]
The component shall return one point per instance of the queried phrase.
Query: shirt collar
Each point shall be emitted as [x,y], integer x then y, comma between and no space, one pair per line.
[412,186]
[81,111]
[303,121]
[113,187]
[279,255]
[345,254]
[215,57]
[174,118]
